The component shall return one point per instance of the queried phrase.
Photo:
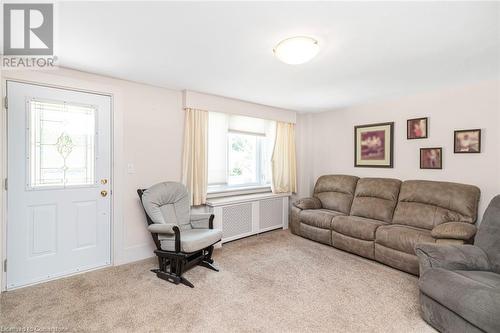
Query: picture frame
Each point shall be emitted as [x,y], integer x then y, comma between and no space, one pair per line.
[431,158]
[417,128]
[374,145]
[467,141]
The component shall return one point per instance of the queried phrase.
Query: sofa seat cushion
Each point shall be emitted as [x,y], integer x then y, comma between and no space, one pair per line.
[357,227]
[402,238]
[316,234]
[474,295]
[319,218]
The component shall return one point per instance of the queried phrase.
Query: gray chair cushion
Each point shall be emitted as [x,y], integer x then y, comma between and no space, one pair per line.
[320,218]
[473,295]
[451,257]
[357,227]
[443,319]
[200,220]
[192,239]
[168,202]
[488,236]
[161,228]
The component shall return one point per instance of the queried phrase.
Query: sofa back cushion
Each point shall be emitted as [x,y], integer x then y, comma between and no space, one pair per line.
[426,204]
[375,198]
[336,192]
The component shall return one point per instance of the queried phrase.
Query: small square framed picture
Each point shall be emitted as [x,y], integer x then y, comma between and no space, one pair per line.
[431,158]
[467,141]
[417,128]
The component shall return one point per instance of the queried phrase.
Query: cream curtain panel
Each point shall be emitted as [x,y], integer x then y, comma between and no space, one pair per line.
[194,156]
[284,167]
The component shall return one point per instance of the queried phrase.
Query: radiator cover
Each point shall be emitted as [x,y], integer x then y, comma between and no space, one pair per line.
[243,216]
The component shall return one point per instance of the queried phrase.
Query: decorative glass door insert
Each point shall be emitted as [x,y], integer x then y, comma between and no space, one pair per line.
[62,144]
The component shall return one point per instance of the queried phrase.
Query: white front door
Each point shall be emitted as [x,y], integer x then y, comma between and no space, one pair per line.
[58,182]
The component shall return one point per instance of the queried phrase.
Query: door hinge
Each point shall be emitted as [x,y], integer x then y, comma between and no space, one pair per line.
[6,102]
[5,265]
[5,184]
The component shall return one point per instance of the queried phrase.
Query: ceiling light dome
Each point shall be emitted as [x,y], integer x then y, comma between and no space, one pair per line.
[296,50]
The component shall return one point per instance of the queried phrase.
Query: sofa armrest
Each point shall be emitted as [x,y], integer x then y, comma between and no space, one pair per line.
[308,203]
[454,230]
[451,257]
[161,228]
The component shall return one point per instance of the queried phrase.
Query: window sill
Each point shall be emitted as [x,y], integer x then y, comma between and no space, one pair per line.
[237,199]
[229,192]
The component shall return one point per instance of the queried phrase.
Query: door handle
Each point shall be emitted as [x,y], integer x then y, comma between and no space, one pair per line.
[104,193]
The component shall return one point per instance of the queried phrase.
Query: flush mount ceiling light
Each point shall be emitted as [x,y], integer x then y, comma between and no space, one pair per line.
[296,50]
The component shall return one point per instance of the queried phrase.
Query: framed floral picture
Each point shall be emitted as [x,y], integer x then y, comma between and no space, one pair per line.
[373,145]
[417,128]
[467,141]
[431,158]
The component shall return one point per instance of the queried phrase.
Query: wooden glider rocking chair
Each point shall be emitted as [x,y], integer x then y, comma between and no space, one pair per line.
[182,239]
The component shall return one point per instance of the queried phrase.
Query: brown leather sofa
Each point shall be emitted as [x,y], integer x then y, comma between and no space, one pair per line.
[383,219]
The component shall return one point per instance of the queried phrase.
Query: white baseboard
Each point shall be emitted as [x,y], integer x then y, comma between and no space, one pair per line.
[135,253]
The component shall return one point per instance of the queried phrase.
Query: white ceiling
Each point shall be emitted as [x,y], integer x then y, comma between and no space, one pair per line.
[369,50]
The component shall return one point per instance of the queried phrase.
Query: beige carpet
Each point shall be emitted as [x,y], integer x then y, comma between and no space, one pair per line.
[275,282]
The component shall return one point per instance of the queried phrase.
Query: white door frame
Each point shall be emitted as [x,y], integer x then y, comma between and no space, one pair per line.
[3,174]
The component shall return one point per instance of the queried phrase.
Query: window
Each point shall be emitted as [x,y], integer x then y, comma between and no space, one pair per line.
[239,152]
[62,144]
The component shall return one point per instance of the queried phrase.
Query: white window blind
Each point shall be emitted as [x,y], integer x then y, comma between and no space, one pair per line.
[239,151]
[248,125]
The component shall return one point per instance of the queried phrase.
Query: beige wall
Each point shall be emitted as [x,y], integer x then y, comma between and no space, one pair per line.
[304,136]
[148,128]
[327,139]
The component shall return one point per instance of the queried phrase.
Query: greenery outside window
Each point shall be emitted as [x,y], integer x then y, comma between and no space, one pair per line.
[239,152]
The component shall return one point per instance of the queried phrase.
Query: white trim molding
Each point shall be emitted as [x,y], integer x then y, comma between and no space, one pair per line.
[201,101]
